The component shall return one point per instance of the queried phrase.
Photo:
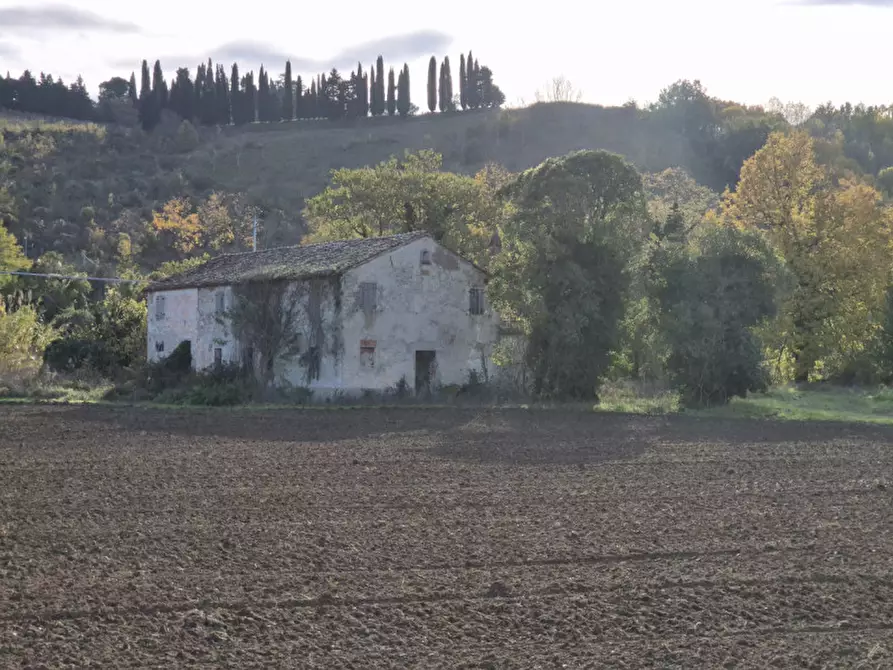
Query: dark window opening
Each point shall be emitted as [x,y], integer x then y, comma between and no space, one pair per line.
[424,371]
[476,301]
[218,356]
[159,347]
[368,291]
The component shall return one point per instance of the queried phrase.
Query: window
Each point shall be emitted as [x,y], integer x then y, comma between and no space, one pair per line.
[368,291]
[218,357]
[367,353]
[159,347]
[476,301]
[426,257]
[159,308]
[220,302]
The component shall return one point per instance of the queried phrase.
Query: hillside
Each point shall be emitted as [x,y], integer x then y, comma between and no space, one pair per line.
[76,187]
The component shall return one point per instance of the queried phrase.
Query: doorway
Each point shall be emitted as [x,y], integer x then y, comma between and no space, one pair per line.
[424,371]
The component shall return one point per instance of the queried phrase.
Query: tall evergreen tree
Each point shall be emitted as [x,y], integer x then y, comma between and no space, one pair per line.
[463,83]
[159,87]
[182,96]
[235,96]
[379,91]
[404,104]
[373,92]
[208,110]
[448,83]
[299,99]
[262,92]
[131,91]
[288,93]
[312,101]
[222,96]
[147,118]
[364,111]
[249,99]
[392,93]
[477,90]
[432,85]
[470,83]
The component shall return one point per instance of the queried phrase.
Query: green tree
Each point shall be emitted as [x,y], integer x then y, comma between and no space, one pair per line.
[132,90]
[392,93]
[432,85]
[404,104]
[406,195]
[12,258]
[711,296]
[380,90]
[54,297]
[23,339]
[563,272]
[463,83]
[445,99]
[288,95]
[148,116]
[835,241]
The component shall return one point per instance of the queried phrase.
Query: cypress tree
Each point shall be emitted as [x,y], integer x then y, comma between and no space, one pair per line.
[182,97]
[299,98]
[235,99]
[432,86]
[392,93]
[470,82]
[463,83]
[448,83]
[131,90]
[145,99]
[159,87]
[249,98]
[288,101]
[477,91]
[209,97]
[222,97]
[403,102]
[364,110]
[379,82]
[311,102]
[373,96]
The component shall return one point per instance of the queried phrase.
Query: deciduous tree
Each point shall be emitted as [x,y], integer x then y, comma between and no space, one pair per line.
[562,274]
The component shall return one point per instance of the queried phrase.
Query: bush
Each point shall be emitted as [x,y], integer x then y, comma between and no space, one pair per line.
[72,353]
[23,340]
[187,138]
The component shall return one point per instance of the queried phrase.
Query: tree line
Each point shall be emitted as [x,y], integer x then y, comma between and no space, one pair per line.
[217,96]
[46,96]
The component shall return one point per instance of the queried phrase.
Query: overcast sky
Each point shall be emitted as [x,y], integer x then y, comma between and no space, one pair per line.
[798,50]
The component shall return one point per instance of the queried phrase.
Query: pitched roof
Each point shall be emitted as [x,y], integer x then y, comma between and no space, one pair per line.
[301,262]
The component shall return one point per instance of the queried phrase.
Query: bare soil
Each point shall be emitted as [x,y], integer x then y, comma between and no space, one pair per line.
[411,538]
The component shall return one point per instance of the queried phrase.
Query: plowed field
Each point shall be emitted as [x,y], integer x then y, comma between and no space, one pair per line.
[412,538]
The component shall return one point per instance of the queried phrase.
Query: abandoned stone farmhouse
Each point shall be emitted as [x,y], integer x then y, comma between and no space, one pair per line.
[372,312]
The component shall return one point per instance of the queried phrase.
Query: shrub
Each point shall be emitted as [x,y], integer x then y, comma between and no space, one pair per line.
[187,138]
[23,340]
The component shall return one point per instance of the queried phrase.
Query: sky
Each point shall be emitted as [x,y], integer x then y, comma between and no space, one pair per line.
[810,51]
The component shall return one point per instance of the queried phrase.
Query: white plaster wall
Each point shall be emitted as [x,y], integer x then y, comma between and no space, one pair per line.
[292,371]
[211,332]
[415,311]
[180,321]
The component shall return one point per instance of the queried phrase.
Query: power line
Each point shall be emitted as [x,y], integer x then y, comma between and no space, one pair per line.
[111,280]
